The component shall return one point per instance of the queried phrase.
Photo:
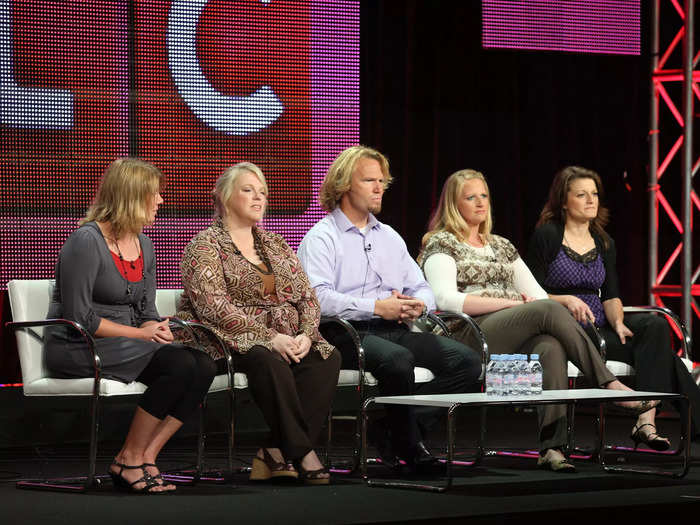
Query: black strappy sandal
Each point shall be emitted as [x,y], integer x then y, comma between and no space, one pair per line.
[122,484]
[651,440]
[158,477]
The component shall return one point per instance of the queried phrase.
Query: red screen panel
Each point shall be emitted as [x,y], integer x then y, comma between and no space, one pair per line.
[190,85]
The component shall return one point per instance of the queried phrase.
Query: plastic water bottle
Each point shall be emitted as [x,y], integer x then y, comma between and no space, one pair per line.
[491,376]
[494,376]
[508,375]
[522,375]
[535,374]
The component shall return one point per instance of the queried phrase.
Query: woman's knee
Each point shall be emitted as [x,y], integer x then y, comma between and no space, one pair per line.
[397,364]
[657,324]
[205,365]
[335,360]
[554,310]
[552,357]
[180,363]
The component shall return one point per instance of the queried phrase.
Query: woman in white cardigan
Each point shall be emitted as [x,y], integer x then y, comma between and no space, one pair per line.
[481,274]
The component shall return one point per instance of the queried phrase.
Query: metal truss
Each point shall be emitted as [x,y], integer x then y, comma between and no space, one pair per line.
[665,77]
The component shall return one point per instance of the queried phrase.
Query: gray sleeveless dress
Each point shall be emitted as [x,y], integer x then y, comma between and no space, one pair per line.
[89,288]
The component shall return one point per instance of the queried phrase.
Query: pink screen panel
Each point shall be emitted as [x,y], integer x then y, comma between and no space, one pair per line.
[583,26]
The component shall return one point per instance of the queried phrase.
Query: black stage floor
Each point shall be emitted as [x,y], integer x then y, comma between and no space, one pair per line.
[498,489]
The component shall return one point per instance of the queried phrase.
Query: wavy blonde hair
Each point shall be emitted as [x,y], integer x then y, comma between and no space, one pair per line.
[339,176]
[223,188]
[124,196]
[447,217]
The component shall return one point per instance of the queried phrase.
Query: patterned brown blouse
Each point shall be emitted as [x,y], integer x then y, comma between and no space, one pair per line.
[480,271]
[225,292]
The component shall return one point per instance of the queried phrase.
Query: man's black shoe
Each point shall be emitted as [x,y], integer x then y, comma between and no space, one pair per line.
[422,456]
[421,460]
[379,436]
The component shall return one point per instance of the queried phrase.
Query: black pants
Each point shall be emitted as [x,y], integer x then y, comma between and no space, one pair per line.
[391,353]
[295,399]
[178,378]
[657,367]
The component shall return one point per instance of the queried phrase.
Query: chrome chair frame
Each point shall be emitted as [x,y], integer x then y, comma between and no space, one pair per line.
[91,480]
[439,320]
[594,333]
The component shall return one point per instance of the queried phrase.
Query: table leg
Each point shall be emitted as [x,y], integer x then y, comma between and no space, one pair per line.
[684,447]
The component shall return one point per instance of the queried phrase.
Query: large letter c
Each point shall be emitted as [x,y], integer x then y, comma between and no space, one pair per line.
[229,114]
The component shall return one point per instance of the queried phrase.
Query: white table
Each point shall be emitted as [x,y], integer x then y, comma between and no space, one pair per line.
[452,402]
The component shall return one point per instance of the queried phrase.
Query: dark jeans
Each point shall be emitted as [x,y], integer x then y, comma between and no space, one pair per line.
[391,353]
[178,378]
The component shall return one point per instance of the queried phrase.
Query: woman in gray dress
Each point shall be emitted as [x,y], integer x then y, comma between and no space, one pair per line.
[105,280]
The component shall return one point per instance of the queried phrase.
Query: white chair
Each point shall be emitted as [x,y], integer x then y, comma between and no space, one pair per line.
[621,369]
[166,304]
[29,302]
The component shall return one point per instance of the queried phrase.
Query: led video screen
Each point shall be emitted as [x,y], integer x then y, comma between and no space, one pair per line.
[582,26]
[190,85]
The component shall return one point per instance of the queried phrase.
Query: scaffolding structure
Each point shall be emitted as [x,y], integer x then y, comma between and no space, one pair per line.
[663,282]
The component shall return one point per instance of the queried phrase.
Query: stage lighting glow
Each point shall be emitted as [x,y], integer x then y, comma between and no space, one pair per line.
[192,86]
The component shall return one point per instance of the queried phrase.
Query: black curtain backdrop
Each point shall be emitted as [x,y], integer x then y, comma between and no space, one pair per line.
[434,102]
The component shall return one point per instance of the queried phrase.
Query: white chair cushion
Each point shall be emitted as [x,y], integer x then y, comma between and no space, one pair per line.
[240,381]
[81,387]
[688,364]
[352,377]
[423,375]
[166,301]
[572,371]
[29,301]
[620,369]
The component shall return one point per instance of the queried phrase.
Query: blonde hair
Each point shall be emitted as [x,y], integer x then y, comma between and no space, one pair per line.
[447,216]
[124,195]
[339,176]
[223,189]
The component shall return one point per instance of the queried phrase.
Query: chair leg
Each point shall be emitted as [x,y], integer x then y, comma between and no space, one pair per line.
[230,429]
[201,437]
[94,433]
[78,484]
[328,440]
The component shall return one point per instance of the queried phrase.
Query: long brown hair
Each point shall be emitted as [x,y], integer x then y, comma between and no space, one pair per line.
[554,211]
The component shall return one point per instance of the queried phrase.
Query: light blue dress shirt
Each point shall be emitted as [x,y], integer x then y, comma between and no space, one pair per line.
[350,270]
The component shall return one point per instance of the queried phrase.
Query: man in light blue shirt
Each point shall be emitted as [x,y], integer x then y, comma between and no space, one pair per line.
[361,271]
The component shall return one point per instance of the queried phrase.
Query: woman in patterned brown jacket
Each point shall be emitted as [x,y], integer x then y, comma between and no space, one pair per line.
[247,285]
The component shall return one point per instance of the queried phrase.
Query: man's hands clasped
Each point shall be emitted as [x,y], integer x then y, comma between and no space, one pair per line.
[399,307]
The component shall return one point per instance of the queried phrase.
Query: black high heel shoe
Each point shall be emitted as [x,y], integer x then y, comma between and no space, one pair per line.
[122,484]
[159,477]
[651,440]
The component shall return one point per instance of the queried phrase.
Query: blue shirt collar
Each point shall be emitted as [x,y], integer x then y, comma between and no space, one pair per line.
[344,223]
